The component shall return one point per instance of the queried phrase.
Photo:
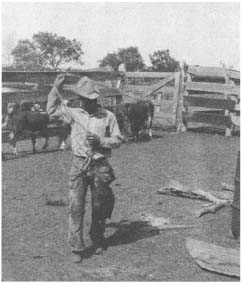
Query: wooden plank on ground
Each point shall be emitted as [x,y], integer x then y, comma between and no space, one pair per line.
[208,103]
[215,258]
[207,118]
[212,88]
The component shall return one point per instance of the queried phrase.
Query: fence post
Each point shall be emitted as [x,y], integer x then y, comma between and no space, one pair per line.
[181,127]
[177,76]
[228,130]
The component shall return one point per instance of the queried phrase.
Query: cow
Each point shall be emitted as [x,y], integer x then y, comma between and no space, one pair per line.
[65,128]
[26,122]
[25,105]
[21,119]
[140,115]
[121,113]
[134,118]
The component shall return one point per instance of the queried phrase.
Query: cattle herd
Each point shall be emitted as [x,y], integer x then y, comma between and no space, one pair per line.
[29,119]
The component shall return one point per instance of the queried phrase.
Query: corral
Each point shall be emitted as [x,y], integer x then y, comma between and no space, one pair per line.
[205,96]
[35,244]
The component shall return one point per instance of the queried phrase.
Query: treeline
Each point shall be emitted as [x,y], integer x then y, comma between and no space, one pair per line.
[161,60]
[47,51]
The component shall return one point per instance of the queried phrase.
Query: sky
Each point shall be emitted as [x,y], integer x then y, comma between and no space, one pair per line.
[199,33]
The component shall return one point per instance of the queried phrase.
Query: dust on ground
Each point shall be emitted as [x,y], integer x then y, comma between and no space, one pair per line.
[34,235]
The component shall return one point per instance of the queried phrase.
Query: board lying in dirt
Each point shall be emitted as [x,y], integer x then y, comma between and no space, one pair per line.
[215,258]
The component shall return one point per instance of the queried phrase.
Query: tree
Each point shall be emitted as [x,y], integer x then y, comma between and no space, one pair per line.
[130,56]
[47,51]
[8,44]
[56,50]
[112,60]
[163,62]
[26,56]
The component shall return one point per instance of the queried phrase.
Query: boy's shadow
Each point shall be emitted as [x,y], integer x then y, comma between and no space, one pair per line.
[126,232]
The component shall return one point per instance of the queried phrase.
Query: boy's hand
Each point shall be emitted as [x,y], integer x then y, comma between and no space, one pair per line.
[93,139]
[59,81]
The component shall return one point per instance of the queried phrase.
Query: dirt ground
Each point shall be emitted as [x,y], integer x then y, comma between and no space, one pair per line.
[34,235]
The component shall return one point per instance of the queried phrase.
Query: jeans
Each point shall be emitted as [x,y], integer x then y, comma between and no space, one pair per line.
[98,177]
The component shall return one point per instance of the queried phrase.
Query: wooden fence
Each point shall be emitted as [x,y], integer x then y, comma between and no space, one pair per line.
[200,95]
[210,103]
[162,88]
[35,86]
[108,96]
[48,77]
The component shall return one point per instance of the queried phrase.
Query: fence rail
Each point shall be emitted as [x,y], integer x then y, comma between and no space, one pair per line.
[193,101]
[212,88]
[212,72]
[221,99]
[46,77]
[207,118]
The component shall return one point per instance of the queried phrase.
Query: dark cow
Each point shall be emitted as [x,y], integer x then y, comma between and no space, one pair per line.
[141,115]
[65,130]
[26,105]
[26,122]
[134,118]
[22,120]
[121,113]
[64,127]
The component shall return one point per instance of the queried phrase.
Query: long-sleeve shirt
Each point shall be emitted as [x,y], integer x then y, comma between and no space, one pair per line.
[103,123]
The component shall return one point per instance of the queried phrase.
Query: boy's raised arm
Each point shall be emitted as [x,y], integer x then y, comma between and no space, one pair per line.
[55,106]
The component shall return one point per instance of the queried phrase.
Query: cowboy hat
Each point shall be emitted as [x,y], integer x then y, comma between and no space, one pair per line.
[86,88]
